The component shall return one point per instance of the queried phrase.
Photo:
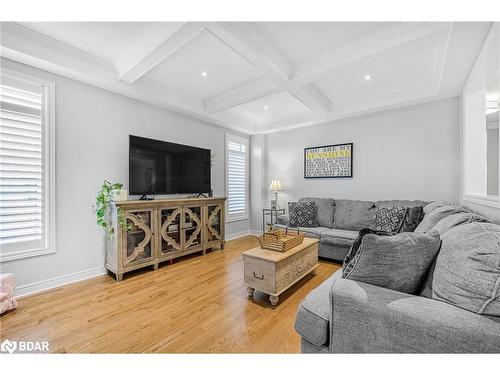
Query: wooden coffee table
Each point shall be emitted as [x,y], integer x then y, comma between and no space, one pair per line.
[273,272]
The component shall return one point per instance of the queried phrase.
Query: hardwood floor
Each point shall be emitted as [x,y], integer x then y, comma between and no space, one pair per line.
[196,305]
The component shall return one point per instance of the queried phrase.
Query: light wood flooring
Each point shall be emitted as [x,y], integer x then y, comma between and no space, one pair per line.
[196,305]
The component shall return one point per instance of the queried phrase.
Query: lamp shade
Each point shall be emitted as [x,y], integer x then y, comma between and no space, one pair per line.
[275,185]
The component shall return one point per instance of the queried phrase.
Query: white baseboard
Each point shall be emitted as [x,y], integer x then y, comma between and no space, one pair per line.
[39,286]
[242,234]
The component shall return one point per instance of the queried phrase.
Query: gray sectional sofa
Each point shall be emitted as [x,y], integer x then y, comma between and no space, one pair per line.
[340,220]
[457,309]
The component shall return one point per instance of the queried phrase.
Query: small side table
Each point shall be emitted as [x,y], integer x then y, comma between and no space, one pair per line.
[272,212]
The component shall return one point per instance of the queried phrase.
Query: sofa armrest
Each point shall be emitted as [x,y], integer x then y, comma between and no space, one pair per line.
[370,319]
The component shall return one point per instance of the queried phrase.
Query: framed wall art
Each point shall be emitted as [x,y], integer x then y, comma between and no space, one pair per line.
[333,161]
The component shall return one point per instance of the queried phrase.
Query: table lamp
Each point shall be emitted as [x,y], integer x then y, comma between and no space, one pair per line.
[275,186]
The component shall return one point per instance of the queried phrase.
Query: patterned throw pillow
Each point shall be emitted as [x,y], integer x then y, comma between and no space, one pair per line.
[388,219]
[303,214]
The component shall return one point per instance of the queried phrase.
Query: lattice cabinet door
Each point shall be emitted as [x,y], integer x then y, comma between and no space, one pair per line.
[138,244]
[170,231]
[192,227]
[215,217]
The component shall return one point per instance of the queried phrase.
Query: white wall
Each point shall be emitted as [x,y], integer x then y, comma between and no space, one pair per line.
[408,153]
[92,129]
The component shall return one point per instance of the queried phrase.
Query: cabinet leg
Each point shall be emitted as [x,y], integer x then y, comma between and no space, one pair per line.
[250,291]
[274,300]
[155,266]
[119,277]
[223,245]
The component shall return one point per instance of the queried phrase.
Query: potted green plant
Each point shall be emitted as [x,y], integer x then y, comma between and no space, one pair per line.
[107,193]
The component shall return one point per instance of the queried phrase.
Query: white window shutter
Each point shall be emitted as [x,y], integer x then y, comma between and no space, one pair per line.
[237,181]
[23,168]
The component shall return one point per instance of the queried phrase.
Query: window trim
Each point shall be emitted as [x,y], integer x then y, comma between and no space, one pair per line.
[49,180]
[239,139]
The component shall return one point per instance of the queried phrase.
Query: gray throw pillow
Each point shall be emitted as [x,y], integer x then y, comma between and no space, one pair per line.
[353,215]
[399,262]
[433,205]
[303,214]
[432,218]
[388,219]
[467,271]
[325,208]
[451,221]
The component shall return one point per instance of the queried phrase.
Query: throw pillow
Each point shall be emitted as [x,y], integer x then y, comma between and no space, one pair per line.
[303,214]
[451,221]
[399,262]
[325,208]
[433,205]
[413,217]
[467,271]
[355,246]
[388,219]
[431,219]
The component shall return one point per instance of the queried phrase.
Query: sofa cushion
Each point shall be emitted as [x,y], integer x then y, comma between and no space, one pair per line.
[316,232]
[325,208]
[432,218]
[353,215]
[399,262]
[412,219]
[467,271]
[451,221]
[313,314]
[400,203]
[338,237]
[388,219]
[303,214]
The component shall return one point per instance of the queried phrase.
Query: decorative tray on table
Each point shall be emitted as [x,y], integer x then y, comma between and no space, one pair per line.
[280,241]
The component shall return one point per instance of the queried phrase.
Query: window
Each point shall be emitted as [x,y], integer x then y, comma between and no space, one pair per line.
[480,127]
[27,224]
[236,177]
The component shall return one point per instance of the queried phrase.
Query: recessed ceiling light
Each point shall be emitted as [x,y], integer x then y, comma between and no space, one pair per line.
[204,74]
[266,107]
[368,77]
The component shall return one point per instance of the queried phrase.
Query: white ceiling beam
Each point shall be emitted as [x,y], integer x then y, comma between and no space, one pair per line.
[26,46]
[245,40]
[381,41]
[242,94]
[153,47]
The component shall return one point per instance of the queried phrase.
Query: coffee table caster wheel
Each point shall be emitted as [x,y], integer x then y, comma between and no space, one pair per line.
[250,292]
[274,300]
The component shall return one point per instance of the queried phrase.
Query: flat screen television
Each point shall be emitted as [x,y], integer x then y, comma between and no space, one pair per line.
[157,167]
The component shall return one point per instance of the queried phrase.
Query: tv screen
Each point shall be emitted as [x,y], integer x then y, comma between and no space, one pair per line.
[157,167]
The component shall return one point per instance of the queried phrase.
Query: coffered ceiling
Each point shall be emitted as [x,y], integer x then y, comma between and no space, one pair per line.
[257,77]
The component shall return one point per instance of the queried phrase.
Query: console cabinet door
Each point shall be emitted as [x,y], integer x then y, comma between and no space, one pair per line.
[215,227]
[170,230]
[192,228]
[138,243]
